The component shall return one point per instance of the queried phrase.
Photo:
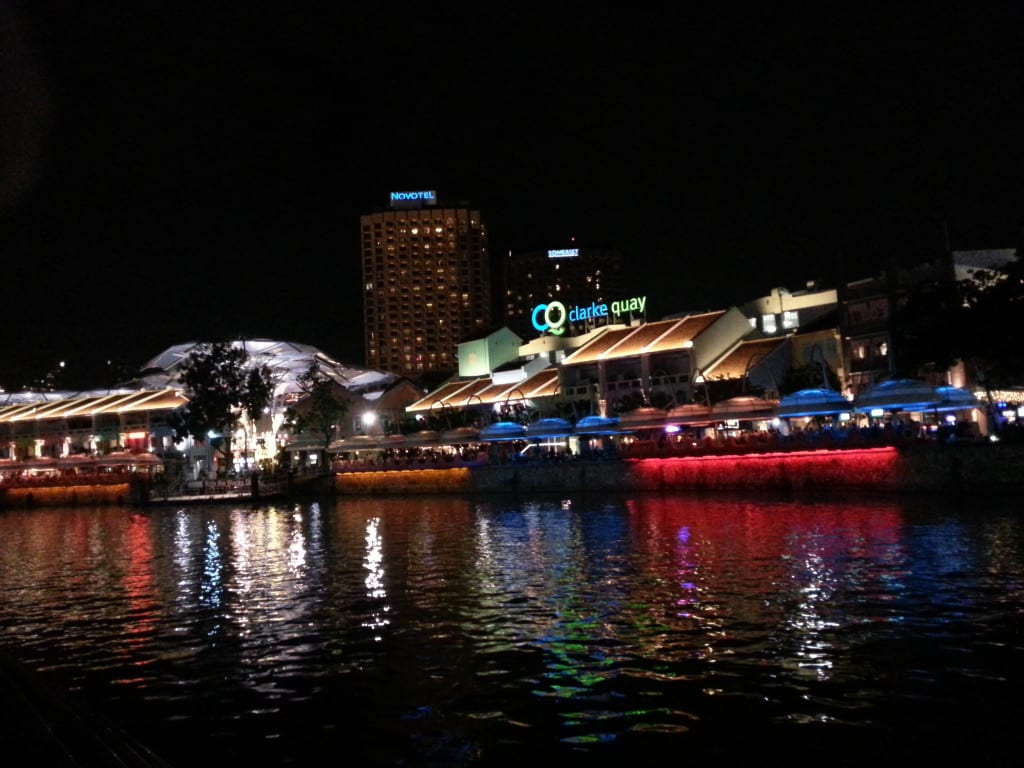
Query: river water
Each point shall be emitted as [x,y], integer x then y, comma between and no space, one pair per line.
[589,630]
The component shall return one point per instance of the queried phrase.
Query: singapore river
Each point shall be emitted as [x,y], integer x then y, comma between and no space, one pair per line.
[583,630]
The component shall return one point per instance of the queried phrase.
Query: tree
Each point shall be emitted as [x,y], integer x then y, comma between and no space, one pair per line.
[319,412]
[221,387]
[979,321]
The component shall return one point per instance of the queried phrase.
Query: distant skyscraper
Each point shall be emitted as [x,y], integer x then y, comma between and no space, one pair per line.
[573,276]
[426,283]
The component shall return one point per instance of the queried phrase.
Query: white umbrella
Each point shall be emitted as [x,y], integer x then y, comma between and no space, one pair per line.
[641,418]
[744,408]
[693,414]
[423,436]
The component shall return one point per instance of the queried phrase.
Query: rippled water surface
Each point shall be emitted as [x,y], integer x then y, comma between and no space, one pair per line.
[452,631]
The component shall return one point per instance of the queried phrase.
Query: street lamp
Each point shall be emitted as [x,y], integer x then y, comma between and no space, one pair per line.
[369,419]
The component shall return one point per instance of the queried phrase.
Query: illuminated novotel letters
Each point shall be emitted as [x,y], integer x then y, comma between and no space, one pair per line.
[424,195]
[551,317]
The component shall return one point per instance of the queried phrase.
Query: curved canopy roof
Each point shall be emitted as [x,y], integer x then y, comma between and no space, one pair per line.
[286,360]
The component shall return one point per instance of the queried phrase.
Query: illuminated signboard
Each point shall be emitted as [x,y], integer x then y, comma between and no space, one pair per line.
[411,199]
[564,253]
[551,317]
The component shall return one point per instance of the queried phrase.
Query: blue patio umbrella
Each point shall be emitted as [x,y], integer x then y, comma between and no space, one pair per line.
[813,402]
[690,414]
[955,399]
[597,425]
[898,395]
[503,430]
[549,427]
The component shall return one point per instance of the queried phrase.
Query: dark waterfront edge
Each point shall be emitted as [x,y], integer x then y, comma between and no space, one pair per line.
[41,725]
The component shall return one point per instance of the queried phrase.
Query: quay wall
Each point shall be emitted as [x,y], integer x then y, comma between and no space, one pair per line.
[928,469]
[66,495]
[968,468]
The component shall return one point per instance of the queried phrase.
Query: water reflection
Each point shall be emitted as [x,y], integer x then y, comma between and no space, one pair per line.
[373,563]
[463,630]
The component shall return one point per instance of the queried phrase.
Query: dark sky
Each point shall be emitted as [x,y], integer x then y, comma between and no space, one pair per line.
[176,172]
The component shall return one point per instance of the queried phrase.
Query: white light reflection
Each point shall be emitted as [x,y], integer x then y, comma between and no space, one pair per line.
[807,624]
[373,563]
[297,545]
[211,590]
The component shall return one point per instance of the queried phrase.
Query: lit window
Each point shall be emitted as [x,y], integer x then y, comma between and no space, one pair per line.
[768,323]
[790,319]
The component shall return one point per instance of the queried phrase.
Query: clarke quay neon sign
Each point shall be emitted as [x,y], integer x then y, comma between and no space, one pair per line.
[552,317]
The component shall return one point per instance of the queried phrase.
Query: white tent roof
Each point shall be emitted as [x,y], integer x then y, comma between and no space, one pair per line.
[287,361]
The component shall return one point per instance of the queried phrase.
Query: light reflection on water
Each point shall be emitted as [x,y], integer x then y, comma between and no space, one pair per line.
[463,631]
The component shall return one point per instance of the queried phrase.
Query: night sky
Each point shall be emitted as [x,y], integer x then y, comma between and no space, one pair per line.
[176,172]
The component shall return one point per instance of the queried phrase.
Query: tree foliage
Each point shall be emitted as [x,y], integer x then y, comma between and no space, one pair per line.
[319,412]
[817,375]
[979,321]
[221,386]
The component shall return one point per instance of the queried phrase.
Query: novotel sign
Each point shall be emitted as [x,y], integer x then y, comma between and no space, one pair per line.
[552,317]
[428,195]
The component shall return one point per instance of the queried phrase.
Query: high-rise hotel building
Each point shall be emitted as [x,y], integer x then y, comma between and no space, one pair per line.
[426,283]
[573,276]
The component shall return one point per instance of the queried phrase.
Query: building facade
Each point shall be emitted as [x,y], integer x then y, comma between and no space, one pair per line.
[426,283]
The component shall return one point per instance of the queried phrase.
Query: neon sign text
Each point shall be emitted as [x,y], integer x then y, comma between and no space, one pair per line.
[552,317]
[425,195]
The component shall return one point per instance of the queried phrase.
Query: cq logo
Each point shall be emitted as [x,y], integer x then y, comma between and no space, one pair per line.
[554,317]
